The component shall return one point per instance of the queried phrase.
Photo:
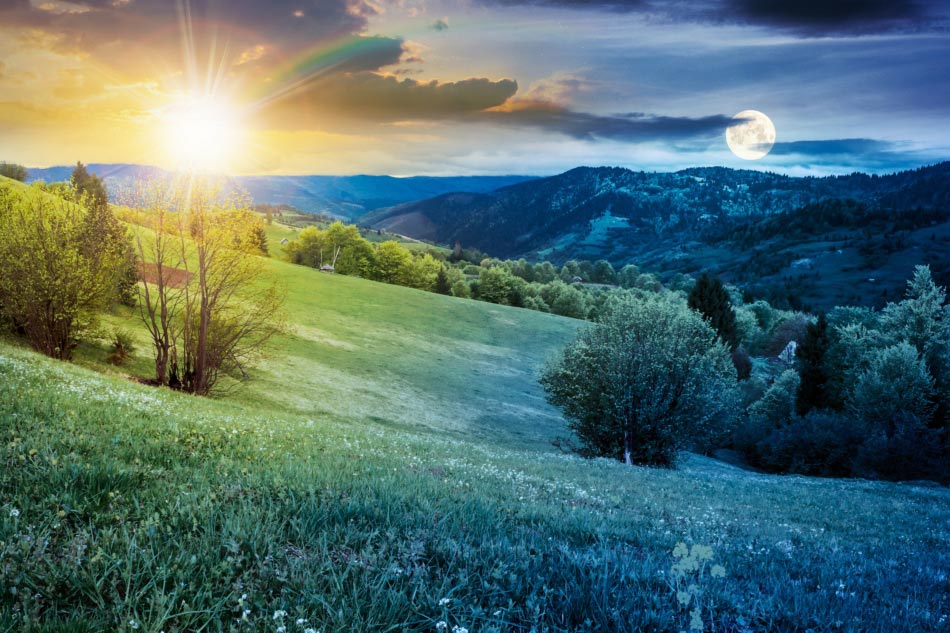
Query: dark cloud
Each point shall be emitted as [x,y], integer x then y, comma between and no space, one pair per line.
[380,98]
[834,147]
[442,24]
[633,127]
[804,17]
[235,24]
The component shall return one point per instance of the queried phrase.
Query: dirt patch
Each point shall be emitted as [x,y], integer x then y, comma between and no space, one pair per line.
[174,277]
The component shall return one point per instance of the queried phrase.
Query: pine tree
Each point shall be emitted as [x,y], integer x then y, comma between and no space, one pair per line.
[442,285]
[810,355]
[710,298]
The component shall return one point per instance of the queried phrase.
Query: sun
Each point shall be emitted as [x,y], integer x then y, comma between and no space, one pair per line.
[201,134]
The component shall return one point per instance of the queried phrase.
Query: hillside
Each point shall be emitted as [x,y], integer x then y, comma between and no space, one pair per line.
[346,495]
[683,223]
[346,197]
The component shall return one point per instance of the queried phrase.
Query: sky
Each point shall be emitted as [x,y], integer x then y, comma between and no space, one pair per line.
[450,87]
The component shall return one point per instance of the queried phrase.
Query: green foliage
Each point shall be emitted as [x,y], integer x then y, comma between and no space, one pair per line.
[13,171]
[90,190]
[442,284]
[58,271]
[895,384]
[710,298]
[393,263]
[495,285]
[646,381]
[812,367]
[123,346]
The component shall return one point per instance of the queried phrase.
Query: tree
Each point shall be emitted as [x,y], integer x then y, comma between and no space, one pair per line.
[13,171]
[647,380]
[494,285]
[922,319]
[55,277]
[710,298]
[895,386]
[442,284]
[228,314]
[813,391]
[90,189]
[393,263]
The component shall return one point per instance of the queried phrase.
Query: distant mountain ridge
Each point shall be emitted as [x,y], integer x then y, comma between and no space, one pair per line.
[684,222]
[347,197]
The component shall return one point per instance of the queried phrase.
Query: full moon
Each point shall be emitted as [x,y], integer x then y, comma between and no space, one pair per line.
[752,136]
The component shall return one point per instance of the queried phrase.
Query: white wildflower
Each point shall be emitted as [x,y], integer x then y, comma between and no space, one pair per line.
[441,626]
[301,621]
[459,629]
[133,624]
[310,631]
[14,513]
[281,629]
[444,601]
[279,613]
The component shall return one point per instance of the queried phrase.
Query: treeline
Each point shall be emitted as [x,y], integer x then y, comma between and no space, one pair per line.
[578,289]
[854,393]
[866,395]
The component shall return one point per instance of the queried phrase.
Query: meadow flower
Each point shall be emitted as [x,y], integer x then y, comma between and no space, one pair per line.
[133,624]
[281,629]
[279,613]
[444,601]
[301,621]
[441,626]
[459,629]
[310,631]
[14,513]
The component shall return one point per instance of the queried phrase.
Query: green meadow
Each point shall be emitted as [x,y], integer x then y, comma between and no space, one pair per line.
[389,466]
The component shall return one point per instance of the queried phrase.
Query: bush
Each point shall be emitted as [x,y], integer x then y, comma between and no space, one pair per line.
[822,443]
[123,346]
[912,452]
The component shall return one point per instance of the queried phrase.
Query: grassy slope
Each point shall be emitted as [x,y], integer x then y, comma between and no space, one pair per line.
[392,452]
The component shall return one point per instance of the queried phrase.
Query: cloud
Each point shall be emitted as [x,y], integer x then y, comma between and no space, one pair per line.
[370,96]
[94,27]
[631,127]
[834,147]
[442,24]
[809,18]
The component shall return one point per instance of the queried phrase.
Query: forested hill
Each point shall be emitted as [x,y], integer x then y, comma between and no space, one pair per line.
[702,219]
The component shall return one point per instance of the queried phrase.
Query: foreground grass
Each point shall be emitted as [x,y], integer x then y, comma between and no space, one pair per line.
[128,508]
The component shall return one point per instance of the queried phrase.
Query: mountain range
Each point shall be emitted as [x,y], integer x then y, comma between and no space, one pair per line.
[345,197]
[798,241]
[814,241]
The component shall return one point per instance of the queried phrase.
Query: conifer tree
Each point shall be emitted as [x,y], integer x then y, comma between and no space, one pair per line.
[710,298]
[442,285]
[810,355]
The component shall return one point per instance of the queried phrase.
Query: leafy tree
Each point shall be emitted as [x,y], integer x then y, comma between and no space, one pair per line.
[442,284]
[56,275]
[494,285]
[710,298]
[812,367]
[895,385]
[647,380]
[13,171]
[393,263]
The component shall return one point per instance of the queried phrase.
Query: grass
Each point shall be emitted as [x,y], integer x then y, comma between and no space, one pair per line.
[125,504]
[389,468]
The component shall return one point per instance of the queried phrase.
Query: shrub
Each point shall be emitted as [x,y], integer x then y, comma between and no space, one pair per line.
[123,346]
[822,443]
